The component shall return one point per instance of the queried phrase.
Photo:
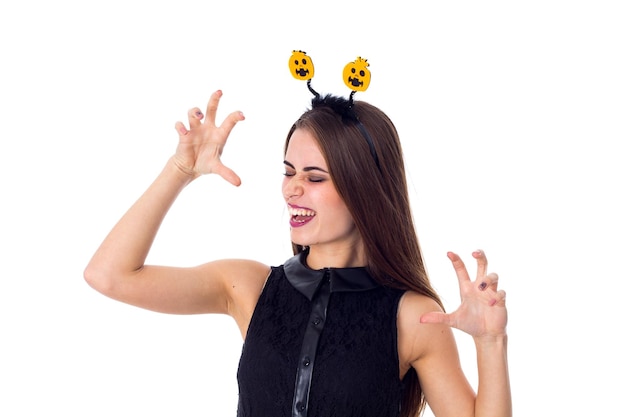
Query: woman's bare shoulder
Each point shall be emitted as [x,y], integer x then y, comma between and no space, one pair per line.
[414,304]
[243,281]
[416,338]
[238,269]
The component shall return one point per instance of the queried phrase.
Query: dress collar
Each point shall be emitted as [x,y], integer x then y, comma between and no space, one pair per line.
[307,280]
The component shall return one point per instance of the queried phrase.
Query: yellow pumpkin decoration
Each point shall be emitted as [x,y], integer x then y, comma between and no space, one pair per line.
[301,66]
[356,75]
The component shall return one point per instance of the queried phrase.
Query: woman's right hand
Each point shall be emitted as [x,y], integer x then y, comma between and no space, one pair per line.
[200,147]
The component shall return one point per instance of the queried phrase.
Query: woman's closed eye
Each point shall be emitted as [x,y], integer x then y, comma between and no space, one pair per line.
[310,178]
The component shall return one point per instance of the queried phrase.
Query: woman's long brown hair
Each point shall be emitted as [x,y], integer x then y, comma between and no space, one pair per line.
[377,197]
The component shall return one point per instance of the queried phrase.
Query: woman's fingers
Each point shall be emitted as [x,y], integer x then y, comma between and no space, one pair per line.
[483,279]
[195,120]
[488,281]
[436,317]
[202,142]
[459,267]
[195,117]
[481,261]
[499,299]
[211,108]
[492,278]
[228,174]
[231,120]
[181,129]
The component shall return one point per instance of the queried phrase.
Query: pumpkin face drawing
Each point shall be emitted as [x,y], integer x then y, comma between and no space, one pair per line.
[301,66]
[356,75]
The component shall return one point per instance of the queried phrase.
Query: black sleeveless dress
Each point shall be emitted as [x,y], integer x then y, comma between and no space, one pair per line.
[321,343]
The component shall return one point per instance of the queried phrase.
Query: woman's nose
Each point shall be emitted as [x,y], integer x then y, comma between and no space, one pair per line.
[292,189]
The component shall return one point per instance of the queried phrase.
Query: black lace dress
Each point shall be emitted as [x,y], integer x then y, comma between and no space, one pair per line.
[321,344]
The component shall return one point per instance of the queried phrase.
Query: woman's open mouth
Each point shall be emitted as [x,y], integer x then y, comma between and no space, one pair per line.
[300,216]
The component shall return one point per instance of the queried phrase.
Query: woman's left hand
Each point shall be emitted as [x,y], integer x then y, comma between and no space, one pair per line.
[482,312]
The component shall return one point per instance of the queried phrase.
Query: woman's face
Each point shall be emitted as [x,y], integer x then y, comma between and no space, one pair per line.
[318,215]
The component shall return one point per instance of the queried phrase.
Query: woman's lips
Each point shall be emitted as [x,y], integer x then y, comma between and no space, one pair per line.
[300,215]
[299,221]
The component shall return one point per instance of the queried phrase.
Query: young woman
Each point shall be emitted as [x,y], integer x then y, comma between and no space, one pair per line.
[350,326]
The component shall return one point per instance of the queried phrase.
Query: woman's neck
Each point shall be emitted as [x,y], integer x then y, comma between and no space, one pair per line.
[345,257]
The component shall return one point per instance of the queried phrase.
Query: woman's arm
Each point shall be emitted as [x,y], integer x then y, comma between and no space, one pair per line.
[431,349]
[117,268]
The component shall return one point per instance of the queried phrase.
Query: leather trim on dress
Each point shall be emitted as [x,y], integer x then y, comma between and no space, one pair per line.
[317,286]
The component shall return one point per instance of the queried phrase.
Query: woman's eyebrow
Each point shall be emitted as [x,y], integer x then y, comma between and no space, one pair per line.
[305,169]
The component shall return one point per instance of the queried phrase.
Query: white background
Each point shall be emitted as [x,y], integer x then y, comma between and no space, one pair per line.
[512,119]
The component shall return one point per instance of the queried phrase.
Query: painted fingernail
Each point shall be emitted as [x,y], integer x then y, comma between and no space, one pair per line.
[482,286]
[199,113]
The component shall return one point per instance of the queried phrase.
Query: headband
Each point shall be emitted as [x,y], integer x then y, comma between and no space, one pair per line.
[355,75]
